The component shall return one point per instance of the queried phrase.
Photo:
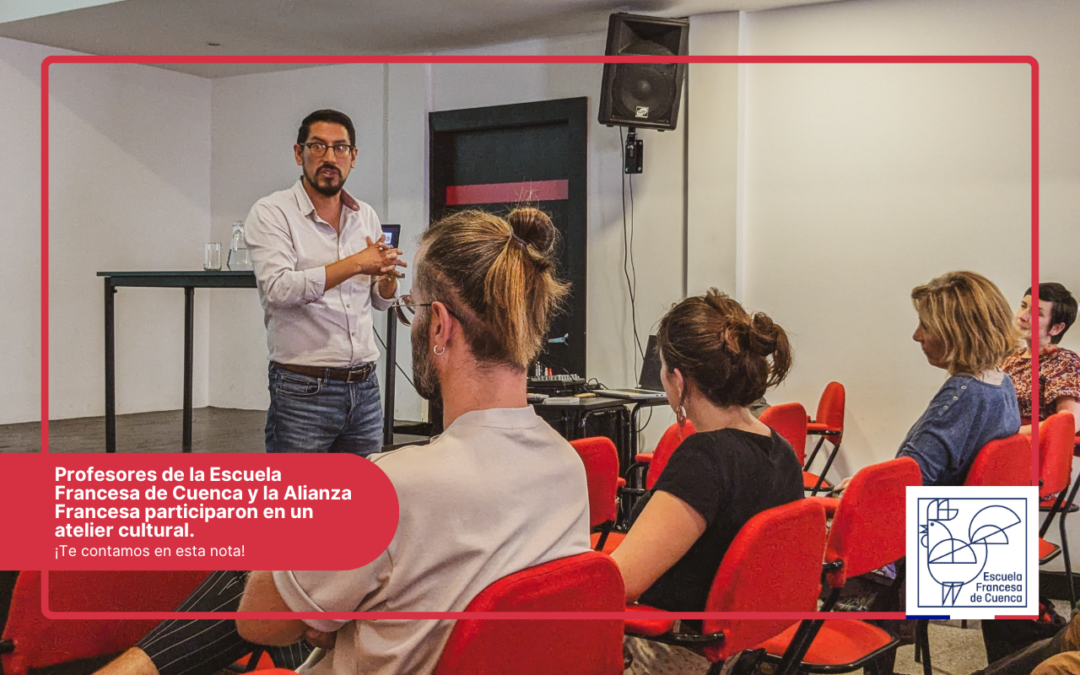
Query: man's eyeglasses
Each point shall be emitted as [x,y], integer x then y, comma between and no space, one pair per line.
[405,309]
[319,149]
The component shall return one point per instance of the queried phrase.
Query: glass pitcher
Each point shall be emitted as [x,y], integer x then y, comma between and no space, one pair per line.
[239,259]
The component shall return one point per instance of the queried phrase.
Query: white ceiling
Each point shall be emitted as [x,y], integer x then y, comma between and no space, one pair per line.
[333,27]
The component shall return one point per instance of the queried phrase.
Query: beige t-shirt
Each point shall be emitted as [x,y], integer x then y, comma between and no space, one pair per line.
[497,492]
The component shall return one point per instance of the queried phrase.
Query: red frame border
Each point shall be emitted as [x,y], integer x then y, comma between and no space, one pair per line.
[328,60]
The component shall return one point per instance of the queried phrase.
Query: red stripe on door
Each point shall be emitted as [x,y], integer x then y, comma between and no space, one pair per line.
[508,193]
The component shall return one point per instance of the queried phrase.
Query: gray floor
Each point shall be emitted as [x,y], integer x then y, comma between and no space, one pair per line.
[953,650]
[212,430]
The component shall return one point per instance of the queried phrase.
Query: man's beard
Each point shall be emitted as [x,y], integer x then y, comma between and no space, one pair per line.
[425,379]
[326,190]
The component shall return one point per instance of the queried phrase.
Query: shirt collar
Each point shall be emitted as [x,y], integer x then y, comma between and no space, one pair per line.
[499,418]
[307,208]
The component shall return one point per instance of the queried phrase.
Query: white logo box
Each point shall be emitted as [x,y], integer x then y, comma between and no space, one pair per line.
[972,552]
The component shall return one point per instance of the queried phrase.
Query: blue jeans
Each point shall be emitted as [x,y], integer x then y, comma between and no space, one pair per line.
[309,414]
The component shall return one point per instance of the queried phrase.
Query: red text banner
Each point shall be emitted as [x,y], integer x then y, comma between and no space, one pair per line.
[193,512]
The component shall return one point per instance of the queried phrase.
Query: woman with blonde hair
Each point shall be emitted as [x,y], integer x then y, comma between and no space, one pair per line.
[966,328]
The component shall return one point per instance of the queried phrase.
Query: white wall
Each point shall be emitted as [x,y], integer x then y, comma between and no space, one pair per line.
[129,146]
[712,118]
[20,263]
[128,190]
[857,183]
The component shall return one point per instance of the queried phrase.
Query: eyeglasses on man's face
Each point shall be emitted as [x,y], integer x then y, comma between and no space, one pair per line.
[341,150]
[405,309]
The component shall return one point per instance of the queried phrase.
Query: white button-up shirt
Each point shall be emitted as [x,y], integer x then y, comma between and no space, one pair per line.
[290,248]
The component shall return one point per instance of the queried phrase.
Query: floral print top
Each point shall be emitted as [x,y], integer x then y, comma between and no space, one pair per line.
[1059,375]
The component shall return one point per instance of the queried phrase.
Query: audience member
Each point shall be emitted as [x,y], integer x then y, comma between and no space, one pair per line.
[716,359]
[1059,655]
[1059,368]
[498,491]
[966,328]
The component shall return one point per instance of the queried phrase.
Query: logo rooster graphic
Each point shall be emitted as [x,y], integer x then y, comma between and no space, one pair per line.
[954,562]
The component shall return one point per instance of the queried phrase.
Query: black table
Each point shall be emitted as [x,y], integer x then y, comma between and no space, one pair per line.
[572,420]
[189,281]
[635,410]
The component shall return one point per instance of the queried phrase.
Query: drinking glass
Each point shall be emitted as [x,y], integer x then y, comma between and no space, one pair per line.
[212,256]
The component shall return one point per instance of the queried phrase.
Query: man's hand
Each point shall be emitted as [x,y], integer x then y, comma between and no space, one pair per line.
[378,258]
[841,486]
[388,283]
[261,595]
[317,638]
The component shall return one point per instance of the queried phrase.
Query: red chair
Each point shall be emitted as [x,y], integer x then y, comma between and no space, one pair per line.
[590,582]
[774,565]
[789,420]
[655,461]
[601,460]
[30,641]
[867,532]
[829,424]
[1006,461]
[651,464]
[1056,442]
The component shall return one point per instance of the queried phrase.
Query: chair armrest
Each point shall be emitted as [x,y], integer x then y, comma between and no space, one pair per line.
[647,627]
[830,504]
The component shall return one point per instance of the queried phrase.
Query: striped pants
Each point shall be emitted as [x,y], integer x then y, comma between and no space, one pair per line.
[179,647]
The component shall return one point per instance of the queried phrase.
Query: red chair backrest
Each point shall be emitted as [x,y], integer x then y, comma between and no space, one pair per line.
[1055,453]
[589,582]
[789,420]
[672,438]
[830,409]
[1006,461]
[601,461]
[774,565]
[41,642]
[868,528]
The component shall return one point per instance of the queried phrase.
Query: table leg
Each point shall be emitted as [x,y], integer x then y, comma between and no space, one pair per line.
[633,433]
[189,339]
[390,380]
[110,369]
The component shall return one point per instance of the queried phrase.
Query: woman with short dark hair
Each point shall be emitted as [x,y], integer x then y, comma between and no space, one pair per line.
[1059,368]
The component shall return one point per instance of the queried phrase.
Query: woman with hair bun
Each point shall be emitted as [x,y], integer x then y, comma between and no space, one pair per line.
[716,359]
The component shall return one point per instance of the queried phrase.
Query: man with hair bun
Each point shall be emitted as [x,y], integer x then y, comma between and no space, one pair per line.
[498,491]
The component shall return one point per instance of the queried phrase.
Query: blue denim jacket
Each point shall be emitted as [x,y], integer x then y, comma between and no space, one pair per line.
[963,416]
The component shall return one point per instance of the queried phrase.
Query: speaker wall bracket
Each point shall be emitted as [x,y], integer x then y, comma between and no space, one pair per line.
[632,152]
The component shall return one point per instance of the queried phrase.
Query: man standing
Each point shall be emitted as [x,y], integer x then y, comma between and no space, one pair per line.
[321,266]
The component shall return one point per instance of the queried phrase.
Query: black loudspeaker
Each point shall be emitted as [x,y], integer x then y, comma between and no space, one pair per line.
[643,95]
